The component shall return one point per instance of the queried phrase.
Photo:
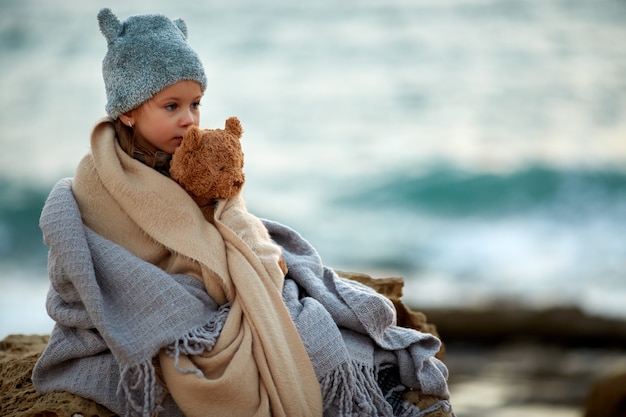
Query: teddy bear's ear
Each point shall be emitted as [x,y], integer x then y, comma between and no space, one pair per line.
[193,132]
[234,126]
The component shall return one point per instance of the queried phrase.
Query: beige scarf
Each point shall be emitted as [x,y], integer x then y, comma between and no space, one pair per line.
[259,366]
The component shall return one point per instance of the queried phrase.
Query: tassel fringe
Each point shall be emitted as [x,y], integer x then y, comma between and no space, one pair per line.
[351,390]
[138,385]
[199,340]
[138,382]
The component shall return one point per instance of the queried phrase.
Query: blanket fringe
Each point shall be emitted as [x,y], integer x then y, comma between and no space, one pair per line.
[138,385]
[351,390]
[199,340]
[138,382]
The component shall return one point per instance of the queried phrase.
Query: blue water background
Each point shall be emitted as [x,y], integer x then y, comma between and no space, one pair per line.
[476,148]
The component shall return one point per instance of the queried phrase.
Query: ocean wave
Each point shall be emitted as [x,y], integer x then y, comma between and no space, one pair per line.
[451,192]
[20,236]
[442,192]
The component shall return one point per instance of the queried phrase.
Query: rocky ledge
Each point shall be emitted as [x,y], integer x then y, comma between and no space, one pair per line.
[18,397]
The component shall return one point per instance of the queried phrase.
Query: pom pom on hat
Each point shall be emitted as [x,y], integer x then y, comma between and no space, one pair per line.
[146,53]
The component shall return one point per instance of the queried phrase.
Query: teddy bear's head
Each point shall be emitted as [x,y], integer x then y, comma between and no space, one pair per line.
[209,163]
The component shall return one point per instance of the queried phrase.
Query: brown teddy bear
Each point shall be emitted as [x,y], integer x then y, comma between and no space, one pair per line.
[209,166]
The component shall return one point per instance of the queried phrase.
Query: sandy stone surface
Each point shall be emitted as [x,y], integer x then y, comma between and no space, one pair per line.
[18,397]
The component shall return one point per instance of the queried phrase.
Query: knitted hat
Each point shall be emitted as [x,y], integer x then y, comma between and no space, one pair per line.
[146,54]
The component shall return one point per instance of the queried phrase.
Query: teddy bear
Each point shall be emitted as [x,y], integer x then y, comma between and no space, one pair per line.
[209,166]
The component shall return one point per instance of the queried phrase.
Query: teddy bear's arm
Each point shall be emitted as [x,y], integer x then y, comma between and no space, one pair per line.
[251,230]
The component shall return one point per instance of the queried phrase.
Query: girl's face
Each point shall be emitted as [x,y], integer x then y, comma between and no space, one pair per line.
[160,122]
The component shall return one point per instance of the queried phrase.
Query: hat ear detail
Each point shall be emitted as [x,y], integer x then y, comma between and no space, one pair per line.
[159,57]
[110,25]
[180,24]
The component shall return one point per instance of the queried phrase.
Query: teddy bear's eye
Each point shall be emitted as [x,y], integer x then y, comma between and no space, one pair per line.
[222,169]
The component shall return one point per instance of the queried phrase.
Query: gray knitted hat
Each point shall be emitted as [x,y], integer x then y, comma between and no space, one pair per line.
[146,54]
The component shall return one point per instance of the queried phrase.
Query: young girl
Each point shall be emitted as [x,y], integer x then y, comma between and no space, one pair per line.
[159,311]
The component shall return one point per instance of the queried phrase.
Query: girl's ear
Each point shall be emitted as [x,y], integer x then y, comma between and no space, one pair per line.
[128,119]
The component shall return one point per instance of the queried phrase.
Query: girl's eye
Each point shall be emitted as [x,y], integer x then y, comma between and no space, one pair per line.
[171,107]
[195,106]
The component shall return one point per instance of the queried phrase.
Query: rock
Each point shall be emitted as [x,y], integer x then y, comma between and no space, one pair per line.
[18,396]
[607,397]
[18,354]
[392,289]
[423,401]
[498,323]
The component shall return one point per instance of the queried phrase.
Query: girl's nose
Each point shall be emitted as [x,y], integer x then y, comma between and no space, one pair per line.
[188,119]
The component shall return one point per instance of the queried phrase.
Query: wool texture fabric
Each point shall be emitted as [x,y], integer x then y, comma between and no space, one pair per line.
[145,54]
[200,299]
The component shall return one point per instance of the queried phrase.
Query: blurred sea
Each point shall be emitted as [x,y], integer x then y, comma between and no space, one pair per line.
[475,147]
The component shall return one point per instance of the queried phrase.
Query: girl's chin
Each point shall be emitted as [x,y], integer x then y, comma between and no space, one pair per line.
[174,144]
